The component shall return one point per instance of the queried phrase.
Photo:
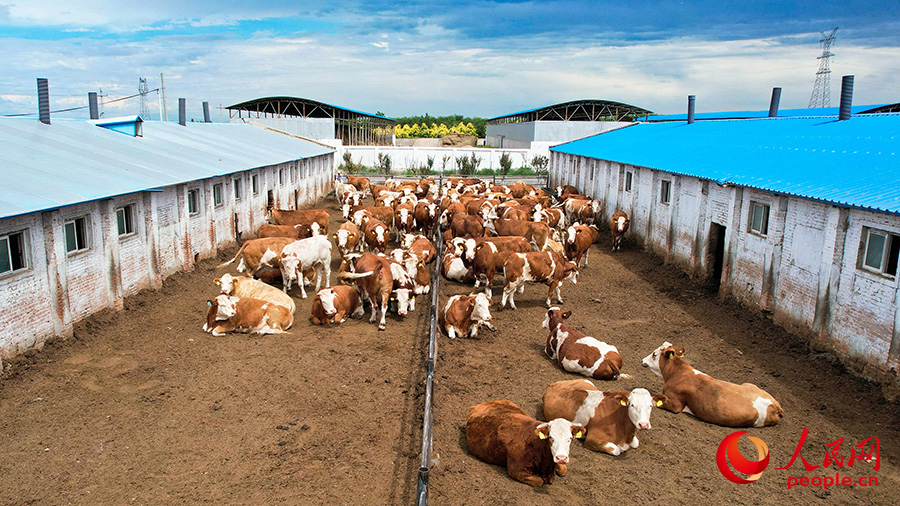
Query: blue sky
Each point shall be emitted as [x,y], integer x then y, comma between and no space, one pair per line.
[472,57]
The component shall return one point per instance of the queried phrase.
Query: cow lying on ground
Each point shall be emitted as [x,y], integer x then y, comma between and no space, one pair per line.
[420,246]
[709,399]
[292,231]
[333,304]
[577,352]
[499,432]
[249,316]
[463,315]
[611,419]
[548,267]
[454,269]
[249,288]
[618,225]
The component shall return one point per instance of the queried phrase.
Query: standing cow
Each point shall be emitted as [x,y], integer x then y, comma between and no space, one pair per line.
[618,225]
[548,267]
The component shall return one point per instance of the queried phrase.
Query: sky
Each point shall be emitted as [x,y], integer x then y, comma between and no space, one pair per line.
[473,57]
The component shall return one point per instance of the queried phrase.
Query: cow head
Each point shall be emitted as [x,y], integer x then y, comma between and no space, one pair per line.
[221,308]
[344,238]
[226,284]
[327,297]
[570,272]
[559,191]
[469,249]
[620,223]
[445,219]
[571,232]
[408,240]
[559,433]
[345,210]
[595,206]
[481,307]
[304,230]
[380,235]
[554,317]
[660,356]
[315,229]
[289,266]
[640,404]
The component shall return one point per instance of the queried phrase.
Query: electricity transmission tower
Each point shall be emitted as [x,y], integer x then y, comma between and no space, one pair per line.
[143,89]
[821,94]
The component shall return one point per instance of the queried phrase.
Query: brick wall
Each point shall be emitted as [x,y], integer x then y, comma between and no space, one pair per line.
[58,288]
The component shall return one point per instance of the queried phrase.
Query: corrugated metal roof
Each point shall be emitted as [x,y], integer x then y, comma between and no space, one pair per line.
[246,105]
[632,109]
[49,166]
[853,163]
[783,113]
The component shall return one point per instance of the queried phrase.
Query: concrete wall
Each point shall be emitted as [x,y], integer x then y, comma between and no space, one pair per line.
[804,271]
[59,289]
[520,135]
[403,158]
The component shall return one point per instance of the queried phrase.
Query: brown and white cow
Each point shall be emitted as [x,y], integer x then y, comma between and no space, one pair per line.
[578,241]
[361,214]
[249,316]
[292,231]
[709,399]
[581,210]
[415,268]
[317,219]
[563,190]
[249,288]
[349,201]
[452,210]
[548,267]
[426,216]
[360,183]
[311,253]
[333,304]
[348,238]
[618,225]
[577,352]
[501,433]
[465,225]
[611,419]
[404,220]
[537,233]
[420,246]
[376,235]
[487,257]
[552,216]
[375,276]
[454,269]
[463,315]
[257,254]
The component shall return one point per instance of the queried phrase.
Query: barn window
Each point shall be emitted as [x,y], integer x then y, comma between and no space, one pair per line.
[77,238]
[218,198]
[237,189]
[629,179]
[125,220]
[759,218]
[880,251]
[13,253]
[254,184]
[293,174]
[193,201]
[665,192]
[280,177]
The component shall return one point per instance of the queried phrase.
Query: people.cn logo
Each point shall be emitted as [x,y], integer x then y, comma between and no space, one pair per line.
[730,453]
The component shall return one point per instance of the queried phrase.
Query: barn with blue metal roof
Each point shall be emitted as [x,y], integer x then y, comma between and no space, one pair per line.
[93,211]
[798,217]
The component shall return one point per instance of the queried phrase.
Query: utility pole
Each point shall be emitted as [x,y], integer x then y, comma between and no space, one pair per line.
[821,94]
[162,84]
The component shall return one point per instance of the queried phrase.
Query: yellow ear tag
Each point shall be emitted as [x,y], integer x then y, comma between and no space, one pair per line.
[658,403]
[217,281]
[623,402]
[542,435]
[578,435]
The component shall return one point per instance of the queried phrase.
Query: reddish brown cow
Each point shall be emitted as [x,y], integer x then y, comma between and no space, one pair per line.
[581,210]
[360,183]
[537,233]
[709,399]
[292,231]
[618,225]
[333,304]
[426,216]
[552,216]
[463,315]
[257,254]
[403,218]
[452,210]
[499,432]
[306,217]
[420,246]
[249,316]
[360,214]
[464,225]
[488,257]
[578,241]
[376,278]
[611,419]
[454,269]
[577,352]
[547,267]
[348,238]
[563,190]
[376,234]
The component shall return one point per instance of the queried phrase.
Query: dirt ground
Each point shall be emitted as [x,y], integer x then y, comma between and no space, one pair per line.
[142,407]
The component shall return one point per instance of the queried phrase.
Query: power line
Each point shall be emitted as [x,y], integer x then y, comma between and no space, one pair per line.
[70,109]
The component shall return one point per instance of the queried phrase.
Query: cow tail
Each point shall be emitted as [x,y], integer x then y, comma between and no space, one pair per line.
[355,275]
[236,255]
[617,373]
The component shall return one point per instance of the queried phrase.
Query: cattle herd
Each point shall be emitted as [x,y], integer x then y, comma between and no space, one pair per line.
[527,234]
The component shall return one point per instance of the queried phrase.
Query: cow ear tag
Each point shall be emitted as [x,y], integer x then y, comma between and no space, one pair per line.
[623,402]
[542,435]
[659,403]
[208,303]
[217,281]
[670,354]
[578,434]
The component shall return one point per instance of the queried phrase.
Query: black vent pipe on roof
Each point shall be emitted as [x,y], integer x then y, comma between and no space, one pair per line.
[206,113]
[773,104]
[43,89]
[92,105]
[691,99]
[182,112]
[846,97]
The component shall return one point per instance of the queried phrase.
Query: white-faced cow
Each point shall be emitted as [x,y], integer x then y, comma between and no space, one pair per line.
[348,238]
[249,316]
[548,267]
[315,253]
[709,399]
[577,352]
[249,288]
[334,304]
[618,225]
[258,254]
[611,419]
[501,433]
[463,315]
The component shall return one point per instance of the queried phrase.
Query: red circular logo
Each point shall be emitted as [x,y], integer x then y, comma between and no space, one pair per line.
[729,452]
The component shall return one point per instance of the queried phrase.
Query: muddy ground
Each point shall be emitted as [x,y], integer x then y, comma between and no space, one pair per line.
[142,407]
